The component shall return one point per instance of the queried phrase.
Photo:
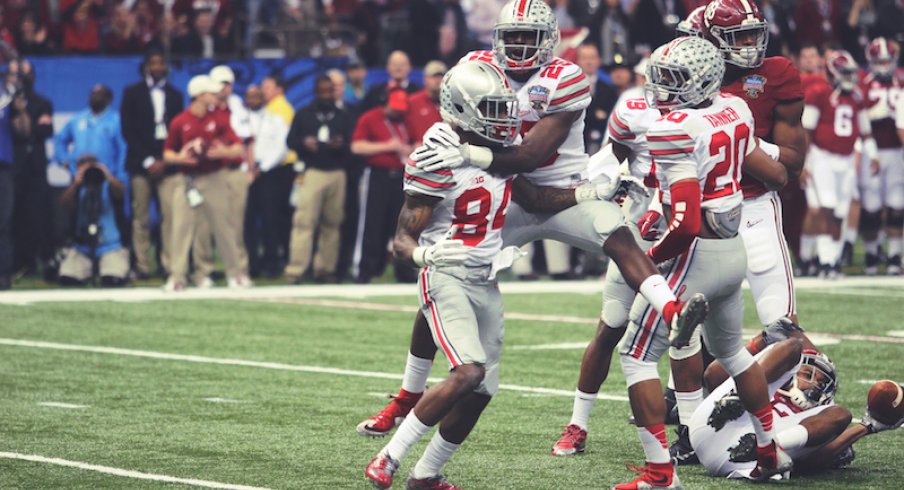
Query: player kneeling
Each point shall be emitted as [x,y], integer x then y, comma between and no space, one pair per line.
[698,149]
[450,226]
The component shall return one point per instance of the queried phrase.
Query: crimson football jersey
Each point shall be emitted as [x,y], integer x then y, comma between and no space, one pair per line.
[811,81]
[775,81]
[838,125]
[876,92]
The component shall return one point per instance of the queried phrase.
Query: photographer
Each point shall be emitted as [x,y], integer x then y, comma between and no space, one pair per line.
[93,198]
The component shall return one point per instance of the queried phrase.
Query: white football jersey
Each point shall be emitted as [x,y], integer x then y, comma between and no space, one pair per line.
[708,144]
[560,86]
[628,125]
[472,199]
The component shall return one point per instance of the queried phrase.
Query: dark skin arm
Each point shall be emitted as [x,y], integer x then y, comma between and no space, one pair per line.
[820,458]
[790,136]
[765,169]
[537,146]
[538,199]
[413,218]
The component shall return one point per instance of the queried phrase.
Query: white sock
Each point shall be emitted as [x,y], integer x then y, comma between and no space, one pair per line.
[656,290]
[871,247]
[434,458]
[825,248]
[793,438]
[849,235]
[837,248]
[417,370]
[894,246]
[688,402]
[407,435]
[655,446]
[671,383]
[807,247]
[583,404]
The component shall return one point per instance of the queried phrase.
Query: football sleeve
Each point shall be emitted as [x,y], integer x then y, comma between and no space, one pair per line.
[788,87]
[435,183]
[572,92]
[619,127]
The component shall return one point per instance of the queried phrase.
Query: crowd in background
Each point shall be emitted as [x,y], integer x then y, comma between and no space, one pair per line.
[161,186]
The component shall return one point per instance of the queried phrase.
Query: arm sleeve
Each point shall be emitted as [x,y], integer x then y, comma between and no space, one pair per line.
[437,183]
[361,132]
[863,121]
[571,94]
[810,117]
[685,223]
[619,127]
[173,141]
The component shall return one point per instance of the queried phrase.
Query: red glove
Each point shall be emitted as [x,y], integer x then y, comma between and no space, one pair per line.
[648,225]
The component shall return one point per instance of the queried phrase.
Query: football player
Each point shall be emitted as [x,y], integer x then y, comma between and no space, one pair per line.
[885,188]
[771,88]
[698,148]
[553,95]
[814,431]
[836,117]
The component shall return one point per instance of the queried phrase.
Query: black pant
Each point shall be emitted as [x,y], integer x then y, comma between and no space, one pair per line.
[32,217]
[383,198]
[266,215]
[348,232]
[7,198]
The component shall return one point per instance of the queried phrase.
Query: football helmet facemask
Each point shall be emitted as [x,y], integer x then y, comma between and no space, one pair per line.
[476,97]
[525,35]
[842,70]
[815,382]
[739,30]
[882,56]
[683,73]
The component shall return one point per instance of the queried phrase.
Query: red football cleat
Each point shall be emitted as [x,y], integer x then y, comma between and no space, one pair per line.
[390,417]
[380,470]
[655,475]
[771,460]
[571,442]
[433,483]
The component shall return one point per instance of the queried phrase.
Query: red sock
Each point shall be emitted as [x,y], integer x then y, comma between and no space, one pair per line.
[655,445]
[752,346]
[762,424]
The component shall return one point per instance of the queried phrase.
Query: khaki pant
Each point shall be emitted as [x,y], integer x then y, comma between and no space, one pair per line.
[142,193]
[166,189]
[215,210]
[202,248]
[113,264]
[321,203]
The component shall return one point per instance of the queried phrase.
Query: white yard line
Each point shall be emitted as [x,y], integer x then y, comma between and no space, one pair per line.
[845,286]
[217,399]
[265,365]
[61,405]
[126,473]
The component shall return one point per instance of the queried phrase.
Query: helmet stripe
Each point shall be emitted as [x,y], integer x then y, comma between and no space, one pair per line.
[748,10]
[522,6]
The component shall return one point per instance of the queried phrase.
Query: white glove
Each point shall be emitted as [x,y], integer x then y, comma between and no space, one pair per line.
[599,189]
[632,187]
[441,135]
[431,159]
[874,426]
[504,259]
[444,252]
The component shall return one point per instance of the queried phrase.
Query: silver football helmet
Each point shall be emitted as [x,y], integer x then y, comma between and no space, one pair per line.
[525,35]
[683,73]
[814,384]
[476,97]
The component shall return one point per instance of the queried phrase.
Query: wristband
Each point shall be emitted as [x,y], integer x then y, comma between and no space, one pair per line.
[478,156]
[417,256]
[585,192]
[871,149]
[770,149]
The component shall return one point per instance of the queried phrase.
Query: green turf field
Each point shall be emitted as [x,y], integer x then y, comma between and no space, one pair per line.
[268,395]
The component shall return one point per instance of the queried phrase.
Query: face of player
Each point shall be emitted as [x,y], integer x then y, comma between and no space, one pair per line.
[500,128]
[521,45]
[812,381]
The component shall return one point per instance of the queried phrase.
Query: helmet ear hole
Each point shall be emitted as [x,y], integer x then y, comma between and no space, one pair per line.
[459,108]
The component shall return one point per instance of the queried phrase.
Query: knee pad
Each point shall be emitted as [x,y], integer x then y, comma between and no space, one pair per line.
[737,363]
[605,223]
[636,370]
[895,218]
[872,221]
[691,349]
[615,314]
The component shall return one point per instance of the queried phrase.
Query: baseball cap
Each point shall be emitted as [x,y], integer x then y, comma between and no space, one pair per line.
[202,84]
[434,68]
[398,100]
[222,74]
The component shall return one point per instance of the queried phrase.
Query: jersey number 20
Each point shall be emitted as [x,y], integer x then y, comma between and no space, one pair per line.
[723,179]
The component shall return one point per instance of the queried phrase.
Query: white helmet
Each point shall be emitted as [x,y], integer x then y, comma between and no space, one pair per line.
[683,73]
[525,16]
[476,97]
[818,371]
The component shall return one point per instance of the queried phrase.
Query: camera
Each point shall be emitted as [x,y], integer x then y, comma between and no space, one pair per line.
[94,177]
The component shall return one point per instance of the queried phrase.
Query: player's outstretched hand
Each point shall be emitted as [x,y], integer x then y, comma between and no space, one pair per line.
[779,330]
[874,426]
[441,134]
[447,251]
[439,158]
[630,186]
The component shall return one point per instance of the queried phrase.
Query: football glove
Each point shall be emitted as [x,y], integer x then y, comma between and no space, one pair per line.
[874,426]
[441,135]
[779,330]
[632,187]
[648,225]
[442,253]
[438,158]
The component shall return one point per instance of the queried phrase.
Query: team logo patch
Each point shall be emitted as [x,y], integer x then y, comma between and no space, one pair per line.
[754,85]
[538,97]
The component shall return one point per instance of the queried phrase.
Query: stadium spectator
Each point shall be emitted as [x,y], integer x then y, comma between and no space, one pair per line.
[32,125]
[199,143]
[610,30]
[6,188]
[355,84]
[603,96]
[383,140]
[423,106]
[80,25]
[399,68]
[274,90]
[121,36]
[203,40]
[481,19]
[147,108]
[818,21]
[320,135]
[95,131]
[31,38]
[654,22]
[338,78]
[93,199]
[424,21]
[148,20]
[221,10]
[265,211]
[781,37]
